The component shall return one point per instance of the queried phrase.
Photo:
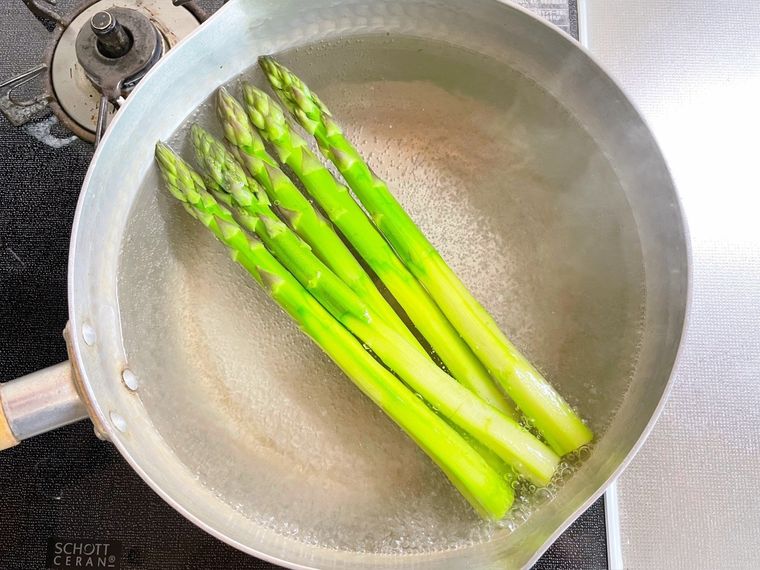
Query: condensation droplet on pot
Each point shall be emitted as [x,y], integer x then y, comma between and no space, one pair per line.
[88,334]
[130,379]
[118,421]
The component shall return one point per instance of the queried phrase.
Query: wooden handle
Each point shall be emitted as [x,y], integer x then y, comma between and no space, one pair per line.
[7,439]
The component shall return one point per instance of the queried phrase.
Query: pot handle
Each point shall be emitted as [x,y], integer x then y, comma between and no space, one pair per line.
[38,402]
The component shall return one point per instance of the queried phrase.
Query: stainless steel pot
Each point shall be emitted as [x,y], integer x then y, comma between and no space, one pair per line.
[518,156]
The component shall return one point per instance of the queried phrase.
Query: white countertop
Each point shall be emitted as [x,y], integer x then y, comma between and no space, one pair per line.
[690,499]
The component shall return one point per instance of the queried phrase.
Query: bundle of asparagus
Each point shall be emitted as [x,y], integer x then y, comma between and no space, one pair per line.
[457,414]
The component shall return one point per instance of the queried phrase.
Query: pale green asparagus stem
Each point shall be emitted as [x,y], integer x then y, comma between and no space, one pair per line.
[533,461]
[538,400]
[248,195]
[251,223]
[486,489]
[348,216]
[229,185]
[248,147]
[505,437]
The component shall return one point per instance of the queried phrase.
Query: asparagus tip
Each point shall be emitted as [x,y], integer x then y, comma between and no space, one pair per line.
[263,111]
[226,104]
[293,92]
[181,180]
[223,93]
[197,133]
[268,64]
[223,102]
[163,154]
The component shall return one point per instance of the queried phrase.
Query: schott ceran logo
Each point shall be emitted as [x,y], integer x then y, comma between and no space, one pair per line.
[68,554]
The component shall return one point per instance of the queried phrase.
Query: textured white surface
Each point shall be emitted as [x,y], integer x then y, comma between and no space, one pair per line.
[555,11]
[689,499]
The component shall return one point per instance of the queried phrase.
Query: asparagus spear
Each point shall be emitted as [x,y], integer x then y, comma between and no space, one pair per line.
[348,216]
[503,435]
[228,176]
[211,155]
[537,399]
[248,148]
[246,145]
[251,223]
[485,489]
[510,441]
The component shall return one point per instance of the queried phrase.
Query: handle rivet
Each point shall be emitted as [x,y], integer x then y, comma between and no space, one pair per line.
[118,421]
[130,379]
[88,334]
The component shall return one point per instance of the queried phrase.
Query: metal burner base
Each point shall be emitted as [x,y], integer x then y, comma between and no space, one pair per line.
[68,92]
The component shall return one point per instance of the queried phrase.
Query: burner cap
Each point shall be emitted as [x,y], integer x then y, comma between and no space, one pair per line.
[90,57]
[117,49]
[112,38]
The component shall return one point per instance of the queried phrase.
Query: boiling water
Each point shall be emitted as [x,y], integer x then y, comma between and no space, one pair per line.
[505,182]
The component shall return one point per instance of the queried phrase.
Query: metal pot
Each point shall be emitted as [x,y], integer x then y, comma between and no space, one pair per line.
[518,156]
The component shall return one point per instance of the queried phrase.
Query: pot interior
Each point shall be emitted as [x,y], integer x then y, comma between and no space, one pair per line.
[540,186]
[521,202]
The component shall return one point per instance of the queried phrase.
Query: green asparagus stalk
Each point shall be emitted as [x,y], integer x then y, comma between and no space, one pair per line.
[501,434]
[248,147]
[537,399]
[351,220]
[247,194]
[248,218]
[487,491]
[510,441]
[251,223]
[225,172]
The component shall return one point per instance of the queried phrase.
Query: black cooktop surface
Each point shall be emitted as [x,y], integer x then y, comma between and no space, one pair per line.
[68,484]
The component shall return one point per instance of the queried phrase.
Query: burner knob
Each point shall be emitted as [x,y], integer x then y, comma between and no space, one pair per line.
[114,40]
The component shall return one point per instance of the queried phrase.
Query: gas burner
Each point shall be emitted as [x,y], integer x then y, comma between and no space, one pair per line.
[95,58]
